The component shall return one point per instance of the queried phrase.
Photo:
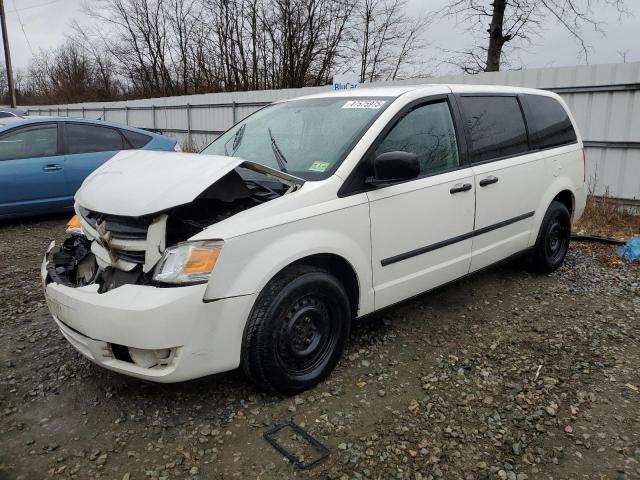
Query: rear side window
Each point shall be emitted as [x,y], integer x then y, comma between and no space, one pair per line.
[496,127]
[27,142]
[82,138]
[549,125]
[428,132]
[6,115]
[137,140]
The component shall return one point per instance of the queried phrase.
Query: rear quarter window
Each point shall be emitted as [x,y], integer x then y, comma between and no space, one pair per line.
[137,140]
[549,123]
[495,127]
[87,138]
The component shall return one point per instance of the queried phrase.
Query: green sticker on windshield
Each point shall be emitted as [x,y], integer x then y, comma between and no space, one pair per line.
[319,166]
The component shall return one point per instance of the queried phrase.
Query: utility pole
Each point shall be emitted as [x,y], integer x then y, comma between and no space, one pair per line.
[7,55]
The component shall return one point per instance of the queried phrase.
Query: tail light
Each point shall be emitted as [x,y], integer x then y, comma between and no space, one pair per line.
[584,166]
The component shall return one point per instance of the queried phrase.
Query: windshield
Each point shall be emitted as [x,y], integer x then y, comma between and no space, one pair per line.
[307,138]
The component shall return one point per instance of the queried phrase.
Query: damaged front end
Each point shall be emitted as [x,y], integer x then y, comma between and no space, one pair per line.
[114,250]
[72,264]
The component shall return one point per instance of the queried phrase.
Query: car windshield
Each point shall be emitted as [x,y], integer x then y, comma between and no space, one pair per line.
[308,138]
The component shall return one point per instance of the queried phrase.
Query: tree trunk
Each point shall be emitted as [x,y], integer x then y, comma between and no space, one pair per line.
[496,39]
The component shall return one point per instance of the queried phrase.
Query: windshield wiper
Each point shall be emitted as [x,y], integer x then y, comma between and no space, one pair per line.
[280,158]
[237,140]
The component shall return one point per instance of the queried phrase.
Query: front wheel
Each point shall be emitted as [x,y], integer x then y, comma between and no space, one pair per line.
[297,330]
[552,244]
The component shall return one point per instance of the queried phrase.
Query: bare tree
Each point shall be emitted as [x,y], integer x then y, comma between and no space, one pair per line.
[4,88]
[303,38]
[20,80]
[139,41]
[385,39]
[623,54]
[105,78]
[144,48]
[517,22]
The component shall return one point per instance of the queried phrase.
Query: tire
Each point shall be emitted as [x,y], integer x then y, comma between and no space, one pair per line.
[297,330]
[552,243]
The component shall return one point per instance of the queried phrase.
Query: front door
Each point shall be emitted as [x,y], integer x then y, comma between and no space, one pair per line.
[31,171]
[420,229]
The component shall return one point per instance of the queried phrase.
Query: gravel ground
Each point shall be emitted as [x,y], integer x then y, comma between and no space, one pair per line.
[506,375]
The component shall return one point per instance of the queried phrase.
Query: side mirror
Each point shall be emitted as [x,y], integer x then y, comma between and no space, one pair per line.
[393,167]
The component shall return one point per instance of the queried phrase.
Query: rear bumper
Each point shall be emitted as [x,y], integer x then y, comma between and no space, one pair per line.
[580,202]
[204,338]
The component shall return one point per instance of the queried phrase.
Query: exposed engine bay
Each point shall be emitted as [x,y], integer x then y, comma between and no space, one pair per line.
[112,251]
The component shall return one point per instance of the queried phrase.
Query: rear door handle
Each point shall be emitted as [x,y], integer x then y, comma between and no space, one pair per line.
[488,181]
[53,167]
[460,187]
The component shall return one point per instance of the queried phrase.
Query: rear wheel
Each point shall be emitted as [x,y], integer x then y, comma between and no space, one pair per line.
[552,244]
[297,330]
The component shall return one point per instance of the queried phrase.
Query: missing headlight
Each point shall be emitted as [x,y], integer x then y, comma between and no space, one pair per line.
[73,264]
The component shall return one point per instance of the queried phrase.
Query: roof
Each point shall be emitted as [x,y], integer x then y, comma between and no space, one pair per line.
[32,120]
[9,120]
[464,88]
[15,111]
[399,90]
[393,91]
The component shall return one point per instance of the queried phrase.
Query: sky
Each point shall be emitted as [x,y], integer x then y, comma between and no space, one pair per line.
[42,24]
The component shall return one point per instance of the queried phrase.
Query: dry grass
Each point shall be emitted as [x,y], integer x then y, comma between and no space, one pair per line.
[604,216]
[195,147]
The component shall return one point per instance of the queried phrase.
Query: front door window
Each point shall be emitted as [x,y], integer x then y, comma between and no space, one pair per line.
[428,132]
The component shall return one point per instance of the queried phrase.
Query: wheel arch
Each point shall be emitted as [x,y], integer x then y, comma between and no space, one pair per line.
[567,198]
[340,268]
[561,190]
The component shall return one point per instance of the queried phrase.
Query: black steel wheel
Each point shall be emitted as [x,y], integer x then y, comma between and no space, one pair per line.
[297,330]
[552,244]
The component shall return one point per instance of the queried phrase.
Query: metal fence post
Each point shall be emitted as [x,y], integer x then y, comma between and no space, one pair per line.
[104,113]
[153,113]
[126,114]
[51,112]
[233,112]
[84,113]
[189,126]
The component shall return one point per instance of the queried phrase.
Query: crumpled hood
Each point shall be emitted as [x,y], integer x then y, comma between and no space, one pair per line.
[142,182]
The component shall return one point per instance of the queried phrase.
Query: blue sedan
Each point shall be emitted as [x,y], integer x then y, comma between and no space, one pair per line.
[44,160]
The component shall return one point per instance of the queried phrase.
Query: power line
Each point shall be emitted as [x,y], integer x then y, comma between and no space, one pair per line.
[16,10]
[22,26]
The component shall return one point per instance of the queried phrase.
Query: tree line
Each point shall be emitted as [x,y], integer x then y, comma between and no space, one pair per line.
[151,48]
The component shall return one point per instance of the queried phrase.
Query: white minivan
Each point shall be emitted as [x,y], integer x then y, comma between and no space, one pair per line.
[305,215]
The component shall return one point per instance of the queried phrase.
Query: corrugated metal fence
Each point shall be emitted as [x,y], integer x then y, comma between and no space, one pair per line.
[605,100]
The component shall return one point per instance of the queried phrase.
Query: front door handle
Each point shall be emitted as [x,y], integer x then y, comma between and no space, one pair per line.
[460,187]
[53,167]
[488,181]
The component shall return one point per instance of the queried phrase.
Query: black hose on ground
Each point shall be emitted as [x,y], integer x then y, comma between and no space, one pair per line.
[597,238]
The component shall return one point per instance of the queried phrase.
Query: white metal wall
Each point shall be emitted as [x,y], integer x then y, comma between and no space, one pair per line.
[604,99]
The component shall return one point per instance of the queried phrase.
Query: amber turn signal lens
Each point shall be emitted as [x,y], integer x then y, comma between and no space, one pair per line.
[74,222]
[202,261]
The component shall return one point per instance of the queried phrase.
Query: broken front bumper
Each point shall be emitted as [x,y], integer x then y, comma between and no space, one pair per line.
[202,338]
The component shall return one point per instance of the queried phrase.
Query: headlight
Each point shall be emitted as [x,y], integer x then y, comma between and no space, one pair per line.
[74,227]
[188,262]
